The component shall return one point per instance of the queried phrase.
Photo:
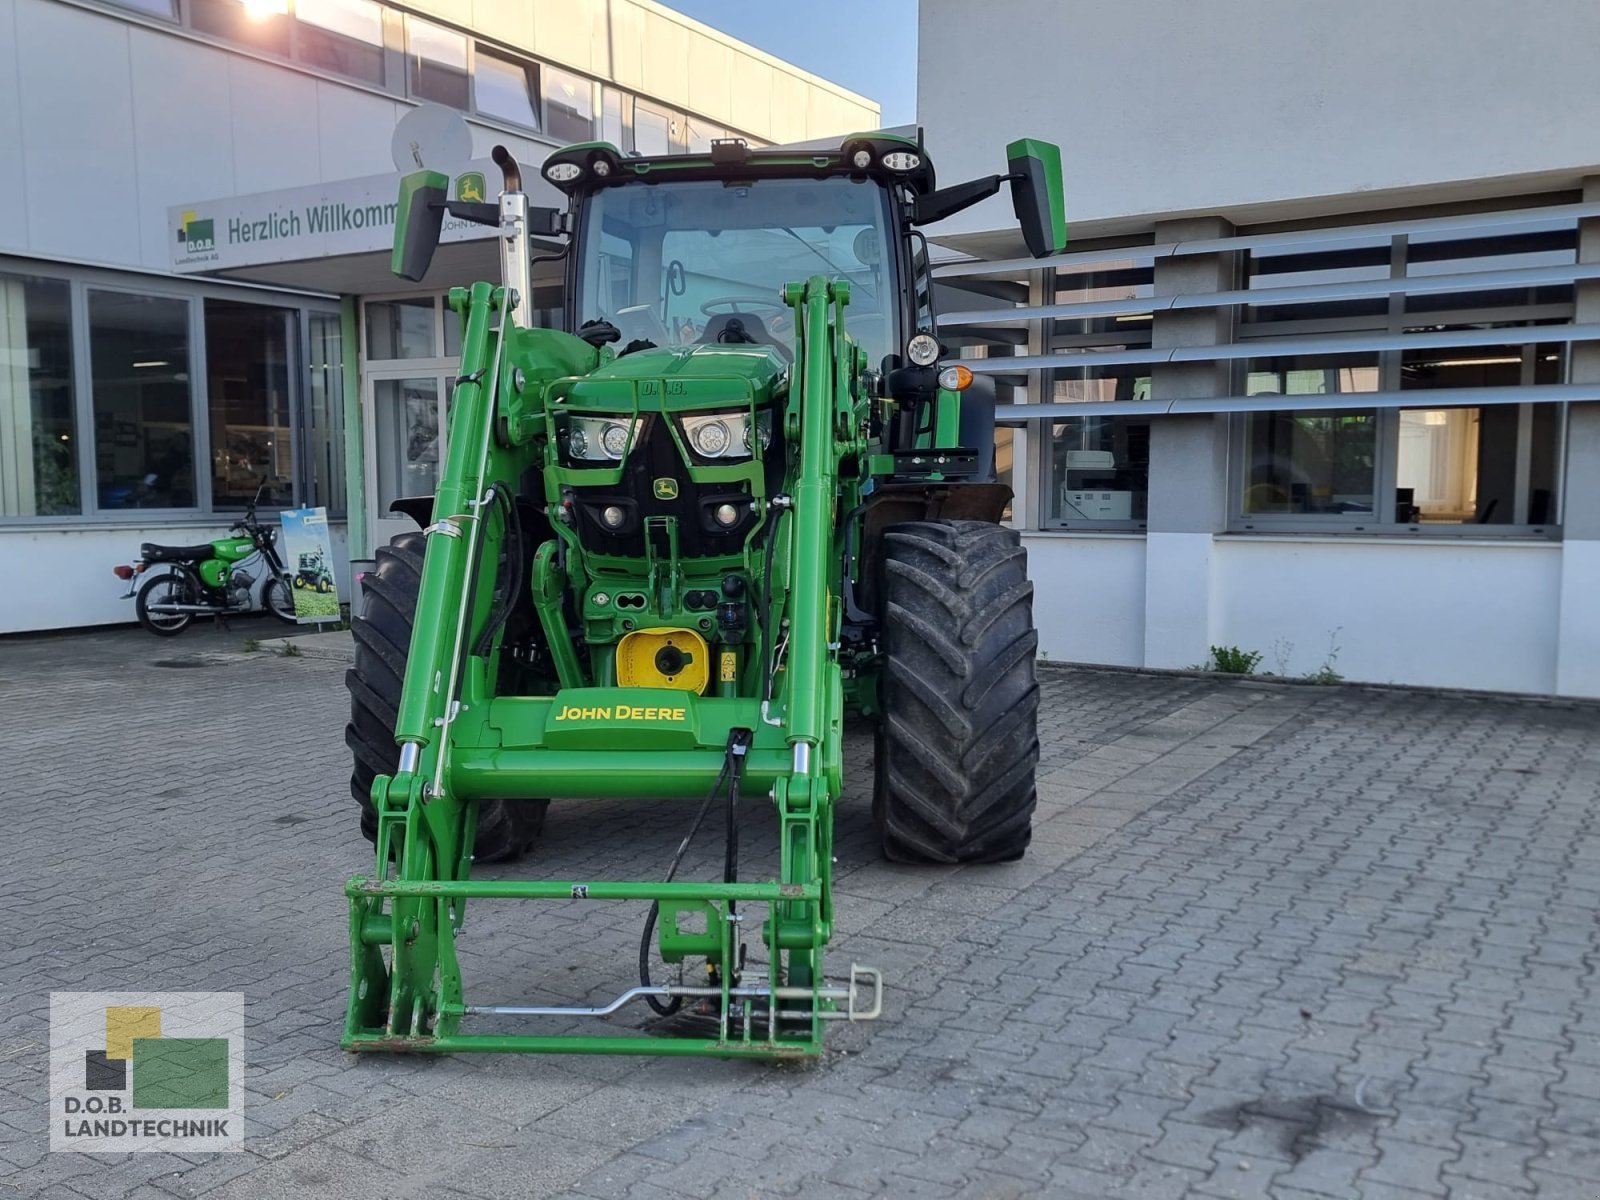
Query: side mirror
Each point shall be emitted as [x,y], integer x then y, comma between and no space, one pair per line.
[1037,195]
[417,222]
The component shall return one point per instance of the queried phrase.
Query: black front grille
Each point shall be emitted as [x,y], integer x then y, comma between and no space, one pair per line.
[699,535]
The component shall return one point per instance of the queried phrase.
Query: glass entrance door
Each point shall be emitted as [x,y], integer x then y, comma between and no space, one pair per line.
[408,423]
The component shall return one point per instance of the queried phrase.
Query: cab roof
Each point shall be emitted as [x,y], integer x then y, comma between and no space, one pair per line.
[885,157]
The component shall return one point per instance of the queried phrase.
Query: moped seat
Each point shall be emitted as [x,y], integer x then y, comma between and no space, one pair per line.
[154,553]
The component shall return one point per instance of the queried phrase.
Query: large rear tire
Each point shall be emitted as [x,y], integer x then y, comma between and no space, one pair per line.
[958,742]
[506,828]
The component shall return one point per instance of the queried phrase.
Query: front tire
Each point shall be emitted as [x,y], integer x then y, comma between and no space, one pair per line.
[172,587]
[507,829]
[958,742]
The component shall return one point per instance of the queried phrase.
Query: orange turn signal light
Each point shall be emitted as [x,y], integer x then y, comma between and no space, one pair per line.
[956,378]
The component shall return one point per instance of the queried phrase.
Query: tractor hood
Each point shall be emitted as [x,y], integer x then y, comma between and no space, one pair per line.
[761,367]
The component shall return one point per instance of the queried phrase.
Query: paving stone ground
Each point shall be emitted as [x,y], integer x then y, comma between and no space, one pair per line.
[1270,941]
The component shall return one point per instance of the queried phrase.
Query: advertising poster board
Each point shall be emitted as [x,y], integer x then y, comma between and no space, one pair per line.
[308,558]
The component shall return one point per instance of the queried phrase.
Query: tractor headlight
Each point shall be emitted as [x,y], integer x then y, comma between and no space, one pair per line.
[901,160]
[923,349]
[710,438]
[601,439]
[562,172]
[727,434]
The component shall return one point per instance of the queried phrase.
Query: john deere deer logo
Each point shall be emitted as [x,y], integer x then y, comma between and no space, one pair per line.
[470,187]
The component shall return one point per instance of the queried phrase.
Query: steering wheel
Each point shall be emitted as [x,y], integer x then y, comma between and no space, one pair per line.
[738,304]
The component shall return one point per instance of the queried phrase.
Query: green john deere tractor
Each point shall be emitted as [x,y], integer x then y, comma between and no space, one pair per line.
[670,550]
[313,573]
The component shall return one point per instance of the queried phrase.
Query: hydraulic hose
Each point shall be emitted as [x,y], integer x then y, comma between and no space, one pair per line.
[673,1003]
[514,559]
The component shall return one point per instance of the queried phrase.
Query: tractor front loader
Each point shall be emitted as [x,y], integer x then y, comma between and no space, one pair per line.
[669,551]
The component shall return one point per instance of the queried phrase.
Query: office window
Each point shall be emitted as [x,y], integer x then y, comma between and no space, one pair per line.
[143,433]
[701,133]
[1312,374]
[506,88]
[1118,381]
[262,24]
[1110,281]
[616,116]
[345,36]
[38,434]
[1313,268]
[156,8]
[1309,462]
[401,328]
[656,131]
[324,417]
[437,60]
[247,392]
[1494,465]
[1099,471]
[568,105]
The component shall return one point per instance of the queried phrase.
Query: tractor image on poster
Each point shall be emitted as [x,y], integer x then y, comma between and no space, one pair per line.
[312,574]
[739,497]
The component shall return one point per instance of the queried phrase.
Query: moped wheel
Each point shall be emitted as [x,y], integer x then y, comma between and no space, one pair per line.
[277,599]
[171,588]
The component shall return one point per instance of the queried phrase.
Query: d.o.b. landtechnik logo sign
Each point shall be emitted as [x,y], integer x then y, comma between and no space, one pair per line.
[146,1071]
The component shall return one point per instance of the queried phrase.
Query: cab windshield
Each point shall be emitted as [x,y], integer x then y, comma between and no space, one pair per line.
[674,264]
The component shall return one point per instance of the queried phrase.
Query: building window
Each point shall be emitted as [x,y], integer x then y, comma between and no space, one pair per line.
[506,88]
[156,8]
[1312,375]
[1310,462]
[402,328]
[38,436]
[657,131]
[261,24]
[437,60]
[568,105]
[1298,269]
[324,419]
[343,36]
[701,133]
[406,429]
[143,431]
[1099,472]
[616,116]
[247,378]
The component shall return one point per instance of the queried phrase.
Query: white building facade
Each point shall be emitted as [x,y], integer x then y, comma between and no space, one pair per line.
[194,232]
[1319,375]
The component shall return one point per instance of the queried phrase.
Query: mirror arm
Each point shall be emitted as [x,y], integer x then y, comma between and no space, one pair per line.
[478,214]
[946,202]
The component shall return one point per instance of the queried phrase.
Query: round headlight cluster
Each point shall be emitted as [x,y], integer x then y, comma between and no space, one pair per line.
[710,438]
[923,349]
[614,440]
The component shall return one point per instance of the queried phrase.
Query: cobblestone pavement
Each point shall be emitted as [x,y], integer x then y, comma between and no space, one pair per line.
[1270,941]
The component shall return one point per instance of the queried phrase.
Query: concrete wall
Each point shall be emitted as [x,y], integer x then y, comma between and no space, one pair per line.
[1443,613]
[1172,106]
[110,121]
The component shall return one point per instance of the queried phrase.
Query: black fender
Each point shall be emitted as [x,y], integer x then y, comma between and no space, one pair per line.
[418,508]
